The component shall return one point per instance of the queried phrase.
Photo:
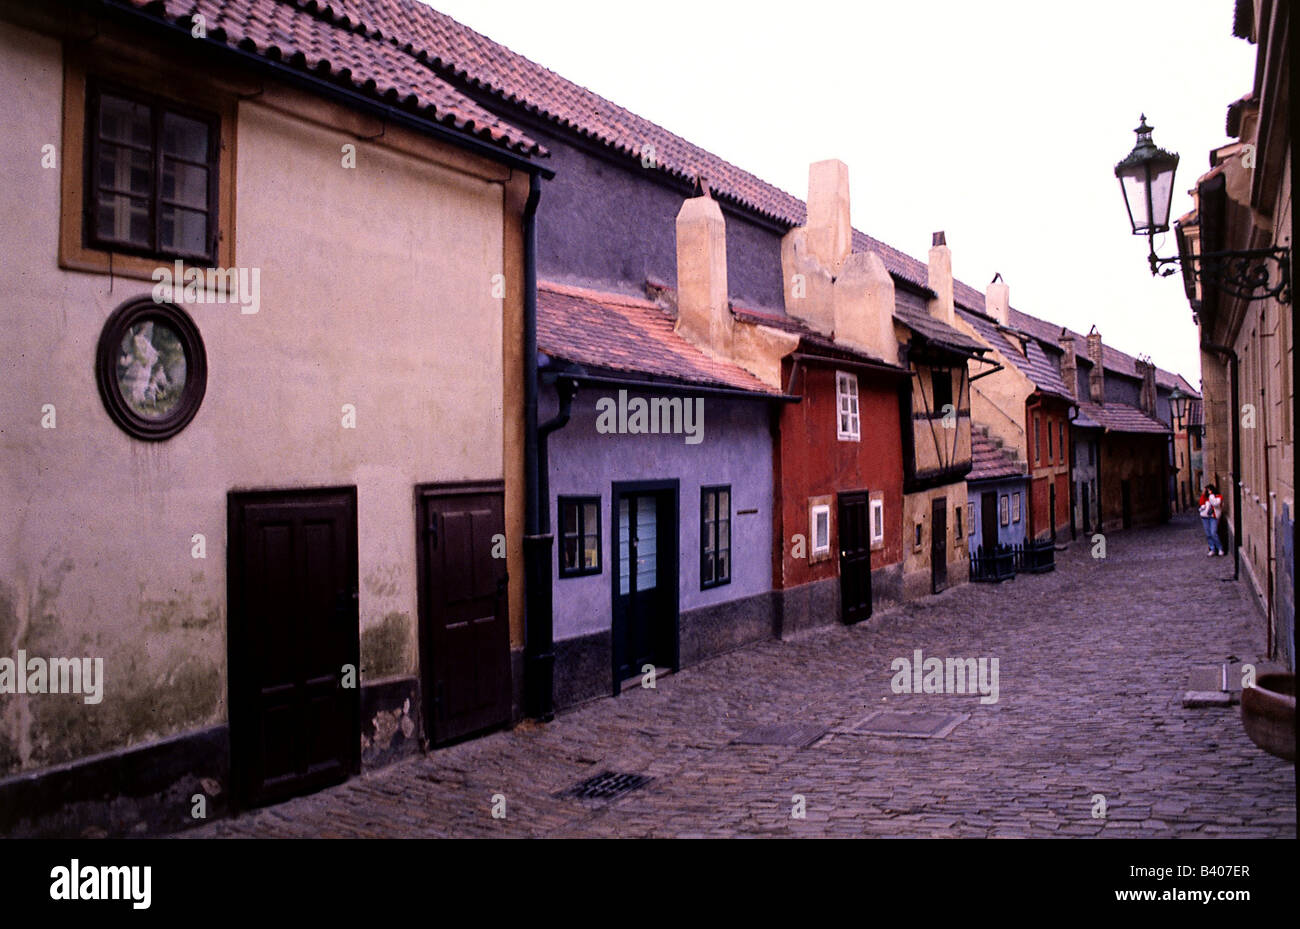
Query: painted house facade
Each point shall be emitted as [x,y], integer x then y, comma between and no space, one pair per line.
[997,492]
[245,501]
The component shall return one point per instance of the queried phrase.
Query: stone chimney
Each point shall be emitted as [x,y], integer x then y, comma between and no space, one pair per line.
[1069,366]
[830,234]
[863,305]
[1146,369]
[940,279]
[703,311]
[997,301]
[1096,377]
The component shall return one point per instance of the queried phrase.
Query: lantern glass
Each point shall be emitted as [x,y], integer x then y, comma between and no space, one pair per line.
[1146,178]
[1133,184]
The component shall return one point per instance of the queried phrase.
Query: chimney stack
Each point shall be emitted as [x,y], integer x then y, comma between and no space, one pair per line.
[1069,366]
[830,234]
[703,310]
[940,279]
[1096,377]
[997,301]
[1146,369]
[863,304]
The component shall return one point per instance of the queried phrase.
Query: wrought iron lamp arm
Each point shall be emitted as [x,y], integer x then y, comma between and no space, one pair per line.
[1246,273]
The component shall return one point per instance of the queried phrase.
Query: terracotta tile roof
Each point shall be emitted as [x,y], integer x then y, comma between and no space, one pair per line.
[1195,412]
[1120,417]
[326,41]
[990,460]
[1111,358]
[1043,371]
[937,331]
[630,335]
[809,339]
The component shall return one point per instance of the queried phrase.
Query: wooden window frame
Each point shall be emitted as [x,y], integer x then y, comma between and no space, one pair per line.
[159,107]
[854,432]
[816,552]
[1004,509]
[581,501]
[128,70]
[876,518]
[1015,507]
[715,490]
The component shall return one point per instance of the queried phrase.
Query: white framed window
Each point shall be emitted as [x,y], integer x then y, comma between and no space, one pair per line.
[846,403]
[877,521]
[820,528]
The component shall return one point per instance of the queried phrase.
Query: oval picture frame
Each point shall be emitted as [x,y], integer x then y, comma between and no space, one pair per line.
[150,371]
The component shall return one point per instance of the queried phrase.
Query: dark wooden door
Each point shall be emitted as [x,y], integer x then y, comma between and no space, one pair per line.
[1087,507]
[1126,503]
[1051,506]
[938,544]
[644,553]
[855,557]
[989,521]
[464,622]
[292,575]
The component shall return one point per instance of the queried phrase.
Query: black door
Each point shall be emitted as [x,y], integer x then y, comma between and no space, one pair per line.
[464,623]
[855,557]
[1087,508]
[989,521]
[645,579]
[294,647]
[1126,503]
[938,544]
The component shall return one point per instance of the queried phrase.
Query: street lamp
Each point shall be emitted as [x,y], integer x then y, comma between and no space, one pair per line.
[1146,179]
[1178,407]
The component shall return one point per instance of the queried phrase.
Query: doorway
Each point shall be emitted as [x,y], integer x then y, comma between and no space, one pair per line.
[293,635]
[645,577]
[464,622]
[1126,503]
[938,544]
[1087,508]
[855,557]
[989,521]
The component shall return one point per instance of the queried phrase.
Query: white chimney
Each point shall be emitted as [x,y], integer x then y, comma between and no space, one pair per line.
[864,306]
[997,301]
[940,279]
[703,311]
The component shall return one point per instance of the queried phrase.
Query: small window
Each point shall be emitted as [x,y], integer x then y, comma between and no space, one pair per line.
[1050,453]
[1004,510]
[846,400]
[941,378]
[877,522]
[957,522]
[920,535]
[579,536]
[1015,507]
[151,173]
[1038,443]
[970,515]
[715,536]
[1060,439]
[820,528]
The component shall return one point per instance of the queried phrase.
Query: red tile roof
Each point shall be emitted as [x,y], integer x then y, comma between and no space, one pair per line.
[1118,417]
[324,40]
[989,460]
[630,335]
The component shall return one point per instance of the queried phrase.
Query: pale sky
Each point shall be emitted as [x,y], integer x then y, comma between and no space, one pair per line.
[998,122]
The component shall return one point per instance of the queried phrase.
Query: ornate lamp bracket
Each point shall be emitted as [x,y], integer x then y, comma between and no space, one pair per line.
[1249,274]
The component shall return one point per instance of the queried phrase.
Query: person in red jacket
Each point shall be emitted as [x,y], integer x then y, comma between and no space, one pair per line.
[1211,508]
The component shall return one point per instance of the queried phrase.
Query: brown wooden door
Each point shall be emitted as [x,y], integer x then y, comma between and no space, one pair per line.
[294,723]
[855,557]
[938,544]
[464,623]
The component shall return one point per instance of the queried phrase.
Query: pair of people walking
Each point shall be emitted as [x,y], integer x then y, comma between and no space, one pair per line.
[1211,508]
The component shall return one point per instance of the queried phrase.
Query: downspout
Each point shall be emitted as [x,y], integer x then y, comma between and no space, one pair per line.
[1235,416]
[539,654]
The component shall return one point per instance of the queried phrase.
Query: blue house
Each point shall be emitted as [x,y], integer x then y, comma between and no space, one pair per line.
[997,490]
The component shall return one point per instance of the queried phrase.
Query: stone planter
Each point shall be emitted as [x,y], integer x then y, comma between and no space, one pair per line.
[1268,714]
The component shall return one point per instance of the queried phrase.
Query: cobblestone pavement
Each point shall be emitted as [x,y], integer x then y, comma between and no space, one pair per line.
[1093,661]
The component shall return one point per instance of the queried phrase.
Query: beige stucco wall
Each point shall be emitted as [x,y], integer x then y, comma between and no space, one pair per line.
[917,508]
[375,291]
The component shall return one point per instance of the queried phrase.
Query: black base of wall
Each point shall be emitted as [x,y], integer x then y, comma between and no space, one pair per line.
[583,669]
[713,630]
[146,790]
[157,788]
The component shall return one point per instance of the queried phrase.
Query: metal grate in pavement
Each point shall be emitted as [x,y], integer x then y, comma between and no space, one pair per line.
[799,735]
[607,785]
[887,724]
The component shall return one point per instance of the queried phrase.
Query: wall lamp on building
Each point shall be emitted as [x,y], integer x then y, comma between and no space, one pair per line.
[1146,178]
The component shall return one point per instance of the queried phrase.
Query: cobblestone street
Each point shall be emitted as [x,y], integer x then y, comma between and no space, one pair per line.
[1093,661]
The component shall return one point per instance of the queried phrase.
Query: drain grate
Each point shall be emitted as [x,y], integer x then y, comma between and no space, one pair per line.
[799,735]
[892,725]
[607,785]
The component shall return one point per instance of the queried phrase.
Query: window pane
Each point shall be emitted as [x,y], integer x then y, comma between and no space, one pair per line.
[184,231]
[185,137]
[123,219]
[590,520]
[591,551]
[570,553]
[724,504]
[569,518]
[187,184]
[723,570]
[724,535]
[124,169]
[706,568]
[822,529]
[710,502]
[123,121]
[709,544]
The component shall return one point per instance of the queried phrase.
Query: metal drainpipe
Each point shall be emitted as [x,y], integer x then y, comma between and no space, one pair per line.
[539,655]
